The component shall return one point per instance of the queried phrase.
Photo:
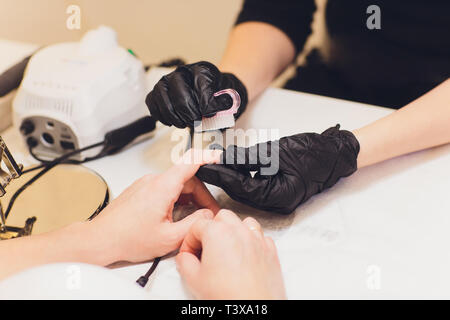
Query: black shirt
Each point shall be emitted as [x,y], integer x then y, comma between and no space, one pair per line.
[390,66]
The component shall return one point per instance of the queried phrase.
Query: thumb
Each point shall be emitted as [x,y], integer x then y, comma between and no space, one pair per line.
[181,228]
[188,266]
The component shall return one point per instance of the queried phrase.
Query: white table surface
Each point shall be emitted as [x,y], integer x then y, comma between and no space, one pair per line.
[381,233]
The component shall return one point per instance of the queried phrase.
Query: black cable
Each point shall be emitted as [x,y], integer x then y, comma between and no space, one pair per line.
[114,141]
[33,168]
[46,168]
[67,161]
[142,281]
[174,62]
[45,162]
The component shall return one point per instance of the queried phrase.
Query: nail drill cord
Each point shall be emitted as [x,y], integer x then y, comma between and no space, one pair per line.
[142,281]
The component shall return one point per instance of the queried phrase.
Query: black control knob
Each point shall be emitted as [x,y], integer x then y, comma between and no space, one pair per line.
[27,127]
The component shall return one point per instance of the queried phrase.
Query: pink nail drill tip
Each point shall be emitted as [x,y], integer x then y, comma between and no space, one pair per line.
[222,119]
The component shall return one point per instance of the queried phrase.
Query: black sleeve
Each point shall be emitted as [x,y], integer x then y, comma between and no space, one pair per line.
[293,17]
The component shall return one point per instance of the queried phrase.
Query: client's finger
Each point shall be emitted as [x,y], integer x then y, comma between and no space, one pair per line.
[271,244]
[172,182]
[188,266]
[193,240]
[200,195]
[181,228]
[229,217]
[201,157]
[187,167]
[254,227]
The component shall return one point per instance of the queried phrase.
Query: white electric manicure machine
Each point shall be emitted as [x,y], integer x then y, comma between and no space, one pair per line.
[73,93]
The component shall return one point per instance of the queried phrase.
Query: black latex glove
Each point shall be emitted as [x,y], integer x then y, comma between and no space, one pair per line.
[308,163]
[186,94]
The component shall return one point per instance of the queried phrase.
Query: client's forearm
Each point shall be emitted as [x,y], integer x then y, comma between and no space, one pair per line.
[75,243]
[422,124]
[257,53]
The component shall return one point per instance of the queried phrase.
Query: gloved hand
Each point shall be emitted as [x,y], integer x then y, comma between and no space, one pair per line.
[186,94]
[307,164]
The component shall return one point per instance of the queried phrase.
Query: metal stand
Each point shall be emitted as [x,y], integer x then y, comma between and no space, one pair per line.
[13,171]
[2,219]
[8,232]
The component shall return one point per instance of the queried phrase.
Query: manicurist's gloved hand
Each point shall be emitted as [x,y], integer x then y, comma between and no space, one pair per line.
[187,94]
[307,163]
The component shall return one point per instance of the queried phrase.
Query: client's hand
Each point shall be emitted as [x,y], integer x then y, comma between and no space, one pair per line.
[138,224]
[227,258]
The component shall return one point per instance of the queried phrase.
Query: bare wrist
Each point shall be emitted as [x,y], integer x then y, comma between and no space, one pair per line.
[84,242]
